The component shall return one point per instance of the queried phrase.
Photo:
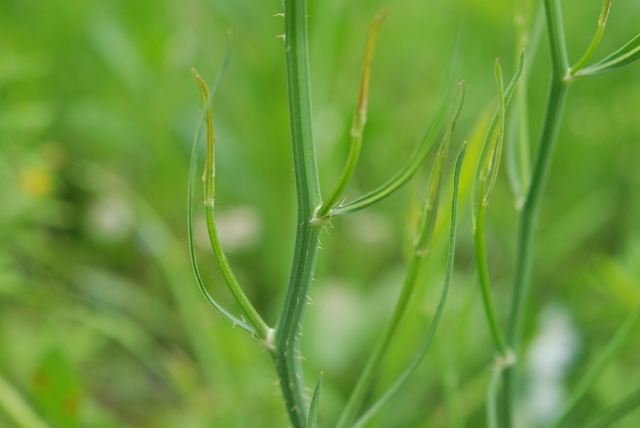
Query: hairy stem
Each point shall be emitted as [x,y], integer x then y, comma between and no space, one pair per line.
[286,356]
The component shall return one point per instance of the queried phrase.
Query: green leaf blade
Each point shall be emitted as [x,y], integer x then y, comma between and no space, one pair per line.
[426,342]
[624,56]
[315,404]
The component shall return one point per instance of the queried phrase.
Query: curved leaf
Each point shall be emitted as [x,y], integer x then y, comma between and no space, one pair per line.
[426,341]
[626,55]
[190,197]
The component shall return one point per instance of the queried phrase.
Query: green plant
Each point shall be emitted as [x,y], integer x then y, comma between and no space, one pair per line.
[529,182]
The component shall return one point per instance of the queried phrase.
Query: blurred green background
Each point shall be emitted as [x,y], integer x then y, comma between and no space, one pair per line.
[101,323]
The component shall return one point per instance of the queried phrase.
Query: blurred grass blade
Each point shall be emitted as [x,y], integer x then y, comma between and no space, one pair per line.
[626,55]
[617,411]
[428,213]
[428,217]
[601,363]
[193,165]
[492,163]
[426,342]
[419,154]
[315,403]
[492,133]
[359,118]
[602,22]
[488,168]
[17,408]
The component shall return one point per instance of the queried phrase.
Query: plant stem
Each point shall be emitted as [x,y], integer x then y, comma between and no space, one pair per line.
[364,381]
[531,208]
[527,230]
[286,356]
[483,273]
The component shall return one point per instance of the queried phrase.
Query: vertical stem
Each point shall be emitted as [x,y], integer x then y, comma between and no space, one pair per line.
[286,357]
[531,208]
[526,233]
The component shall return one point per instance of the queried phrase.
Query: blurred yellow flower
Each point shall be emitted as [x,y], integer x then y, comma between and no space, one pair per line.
[35,182]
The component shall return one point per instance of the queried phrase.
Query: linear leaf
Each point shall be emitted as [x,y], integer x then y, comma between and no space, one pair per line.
[193,165]
[315,403]
[428,215]
[426,223]
[626,55]
[602,23]
[417,157]
[426,342]
[359,118]
[491,134]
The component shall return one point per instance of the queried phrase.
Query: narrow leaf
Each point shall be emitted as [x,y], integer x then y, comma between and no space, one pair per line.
[419,154]
[626,55]
[487,172]
[193,165]
[359,118]
[315,403]
[426,342]
[488,158]
[426,224]
[602,23]
[429,210]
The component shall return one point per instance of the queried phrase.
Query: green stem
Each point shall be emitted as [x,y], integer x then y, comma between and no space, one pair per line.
[287,355]
[527,230]
[531,208]
[483,273]
[364,381]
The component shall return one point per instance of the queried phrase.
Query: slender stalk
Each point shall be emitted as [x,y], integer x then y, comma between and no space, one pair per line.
[287,354]
[426,224]
[364,381]
[483,273]
[531,208]
[426,341]
[527,230]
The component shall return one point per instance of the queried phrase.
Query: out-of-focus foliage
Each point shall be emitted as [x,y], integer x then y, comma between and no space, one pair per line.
[101,322]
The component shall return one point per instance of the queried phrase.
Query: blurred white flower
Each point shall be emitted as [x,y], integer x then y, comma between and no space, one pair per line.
[109,219]
[239,228]
[550,355]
